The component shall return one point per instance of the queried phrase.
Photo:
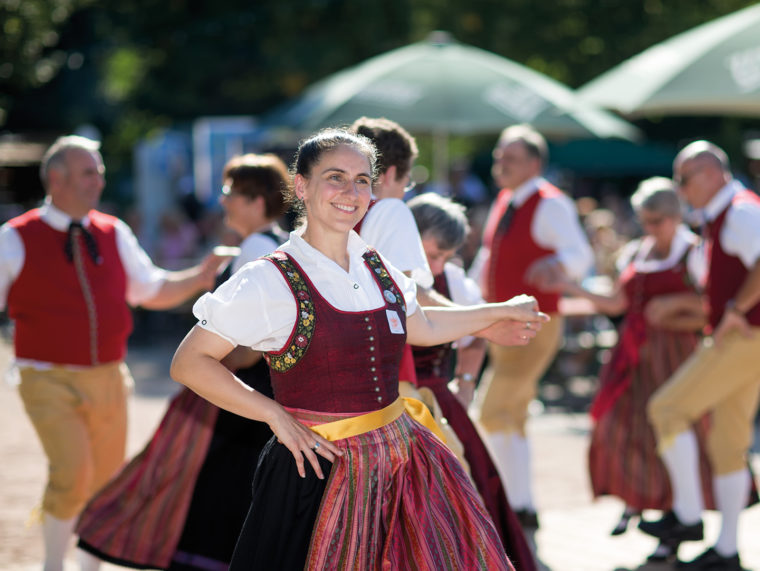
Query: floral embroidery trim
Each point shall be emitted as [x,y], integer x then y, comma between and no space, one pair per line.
[390,291]
[304,329]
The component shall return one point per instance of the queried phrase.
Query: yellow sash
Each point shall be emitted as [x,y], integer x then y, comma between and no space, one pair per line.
[354,425]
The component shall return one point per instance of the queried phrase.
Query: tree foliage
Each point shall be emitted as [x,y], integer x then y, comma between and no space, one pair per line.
[128,67]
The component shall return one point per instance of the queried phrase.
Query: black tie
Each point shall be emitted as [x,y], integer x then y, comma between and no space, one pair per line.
[76,228]
[506,220]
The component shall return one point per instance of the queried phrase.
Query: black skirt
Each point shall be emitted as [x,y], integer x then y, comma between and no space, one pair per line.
[222,493]
[277,530]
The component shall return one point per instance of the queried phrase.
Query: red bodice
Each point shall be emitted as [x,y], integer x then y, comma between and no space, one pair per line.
[433,364]
[338,361]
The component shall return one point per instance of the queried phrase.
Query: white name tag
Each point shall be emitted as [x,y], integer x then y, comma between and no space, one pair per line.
[394,322]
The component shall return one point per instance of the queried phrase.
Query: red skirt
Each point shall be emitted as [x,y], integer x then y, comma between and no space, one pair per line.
[484,474]
[397,499]
[623,458]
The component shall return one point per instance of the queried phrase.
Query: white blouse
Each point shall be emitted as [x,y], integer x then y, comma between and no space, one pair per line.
[256,308]
[637,251]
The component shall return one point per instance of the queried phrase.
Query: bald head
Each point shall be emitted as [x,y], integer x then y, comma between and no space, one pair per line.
[700,170]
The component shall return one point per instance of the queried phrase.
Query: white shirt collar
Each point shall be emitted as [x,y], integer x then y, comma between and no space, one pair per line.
[301,248]
[57,218]
[523,192]
[721,200]
[682,240]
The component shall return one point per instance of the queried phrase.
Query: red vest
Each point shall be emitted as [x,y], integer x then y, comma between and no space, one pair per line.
[726,272]
[512,252]
[407,371]
[47,303]
[433,364]
[338,361]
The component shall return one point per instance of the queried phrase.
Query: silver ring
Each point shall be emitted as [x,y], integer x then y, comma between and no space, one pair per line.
[316,445]
[527,324]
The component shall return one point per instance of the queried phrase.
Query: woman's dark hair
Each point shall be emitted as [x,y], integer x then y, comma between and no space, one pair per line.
[395,146]
[253,175]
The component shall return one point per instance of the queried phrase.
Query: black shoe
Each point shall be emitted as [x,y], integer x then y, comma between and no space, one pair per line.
[625,519]
[665,552]
[711,560]
[671,528]
[528,519]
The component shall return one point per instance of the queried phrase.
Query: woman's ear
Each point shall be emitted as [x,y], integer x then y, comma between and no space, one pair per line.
[299,184]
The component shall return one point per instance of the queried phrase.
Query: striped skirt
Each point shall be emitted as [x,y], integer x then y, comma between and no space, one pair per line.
[623,458]
[397,499]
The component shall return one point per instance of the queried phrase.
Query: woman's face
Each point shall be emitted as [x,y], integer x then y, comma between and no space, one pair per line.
[436,256]
[241,213]
[659,226]
[337,192]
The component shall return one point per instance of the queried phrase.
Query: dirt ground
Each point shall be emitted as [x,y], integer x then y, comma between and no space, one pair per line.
[574,533]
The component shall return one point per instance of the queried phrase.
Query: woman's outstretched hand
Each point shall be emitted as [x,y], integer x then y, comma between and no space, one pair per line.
[522,320]
[302,442]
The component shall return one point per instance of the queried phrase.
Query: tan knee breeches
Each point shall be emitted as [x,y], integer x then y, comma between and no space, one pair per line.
[511,379]
[81,419]
[723,381]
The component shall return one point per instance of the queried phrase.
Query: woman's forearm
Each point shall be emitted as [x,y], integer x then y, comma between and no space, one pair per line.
[436,325]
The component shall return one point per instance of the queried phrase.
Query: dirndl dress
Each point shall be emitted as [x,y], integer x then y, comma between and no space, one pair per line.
[623,458]
[397,498]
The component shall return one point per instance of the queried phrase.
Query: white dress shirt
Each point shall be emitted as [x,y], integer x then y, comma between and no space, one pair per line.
[463,291]
[256,308]
[144,279]
[390,228]
[740,234]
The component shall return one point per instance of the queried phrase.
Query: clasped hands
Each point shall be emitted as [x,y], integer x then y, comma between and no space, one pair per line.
[521,323]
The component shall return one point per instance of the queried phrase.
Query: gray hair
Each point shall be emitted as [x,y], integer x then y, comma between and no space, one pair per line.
[442,217]
[657,194]
[55,156]
[532,140]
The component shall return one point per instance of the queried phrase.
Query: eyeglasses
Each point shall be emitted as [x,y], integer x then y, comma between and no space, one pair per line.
[684,178]
[651,220]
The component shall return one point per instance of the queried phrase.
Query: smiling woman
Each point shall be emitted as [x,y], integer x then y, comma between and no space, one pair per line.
[355,476]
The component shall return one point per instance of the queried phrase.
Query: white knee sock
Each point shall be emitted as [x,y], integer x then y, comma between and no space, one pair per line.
[512,455]
[87,561]
[731,492]
[682,461]
[57,535]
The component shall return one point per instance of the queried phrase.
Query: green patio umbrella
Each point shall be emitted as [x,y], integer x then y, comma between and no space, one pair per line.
[443,87]
[713,69]
[440,84]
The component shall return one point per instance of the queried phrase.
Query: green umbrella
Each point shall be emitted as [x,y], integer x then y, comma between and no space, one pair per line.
[441,86]
[713,69]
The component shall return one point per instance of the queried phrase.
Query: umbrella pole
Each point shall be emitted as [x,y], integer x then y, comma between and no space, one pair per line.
[440,157]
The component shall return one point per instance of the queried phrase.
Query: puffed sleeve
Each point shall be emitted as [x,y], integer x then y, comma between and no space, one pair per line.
[254,308]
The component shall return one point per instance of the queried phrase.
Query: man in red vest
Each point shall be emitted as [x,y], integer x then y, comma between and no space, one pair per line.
[532,237]
[67,275]
[723,376]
